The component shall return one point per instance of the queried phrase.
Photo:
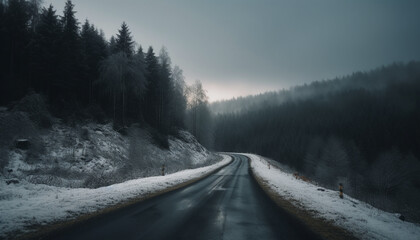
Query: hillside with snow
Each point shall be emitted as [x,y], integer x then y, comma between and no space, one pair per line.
[91,155]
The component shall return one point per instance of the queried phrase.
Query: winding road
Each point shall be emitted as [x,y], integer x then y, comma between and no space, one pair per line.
[225,205]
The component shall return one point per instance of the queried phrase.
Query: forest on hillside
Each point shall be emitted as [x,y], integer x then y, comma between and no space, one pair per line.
[55,64]
[361,130]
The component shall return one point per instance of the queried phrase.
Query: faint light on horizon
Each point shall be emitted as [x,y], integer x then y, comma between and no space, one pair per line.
[217,91]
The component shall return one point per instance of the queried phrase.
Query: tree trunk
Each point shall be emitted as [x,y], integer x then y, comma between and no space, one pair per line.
[114,105]
[123,105]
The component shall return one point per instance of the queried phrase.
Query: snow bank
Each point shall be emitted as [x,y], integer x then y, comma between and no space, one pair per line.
[26,204]
[363,220]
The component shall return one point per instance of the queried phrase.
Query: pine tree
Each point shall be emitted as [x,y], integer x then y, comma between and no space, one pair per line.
[165,93]
[124,41]
[112,46]
[140,54]
[94,51]
[135,101]
[70,23]
[71,86]
[152,94]
[3,54]
[34,7]
[16,40]
[45,50]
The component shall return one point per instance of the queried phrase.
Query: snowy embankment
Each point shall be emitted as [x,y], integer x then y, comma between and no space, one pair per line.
[361,219]
[25,204]
[94,155]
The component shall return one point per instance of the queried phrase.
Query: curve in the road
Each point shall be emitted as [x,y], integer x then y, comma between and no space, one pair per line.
[226,205]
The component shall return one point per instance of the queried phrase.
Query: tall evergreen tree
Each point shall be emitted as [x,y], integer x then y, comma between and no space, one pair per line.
[135,101]
[165,93]
[124,41]
[112,46]
[16,40]
[152,94]
[94,51]
[34,7]
[70,23]
[45,48]
[71,85]
[3,54]
[140,54]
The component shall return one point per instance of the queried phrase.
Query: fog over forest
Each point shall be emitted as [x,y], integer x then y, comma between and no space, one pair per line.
[361,130]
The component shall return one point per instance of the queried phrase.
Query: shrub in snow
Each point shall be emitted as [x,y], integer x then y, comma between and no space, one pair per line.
[34,104]
[160,139]
[84,133]
[12,181]
[95,113]
[4,160]
[96,180]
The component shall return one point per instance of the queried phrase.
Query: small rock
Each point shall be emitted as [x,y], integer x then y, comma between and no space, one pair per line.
[22,144]
[14,181]
[321,189]
[401,217]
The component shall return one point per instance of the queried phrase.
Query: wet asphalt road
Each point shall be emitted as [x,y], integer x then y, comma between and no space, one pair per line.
[226,205]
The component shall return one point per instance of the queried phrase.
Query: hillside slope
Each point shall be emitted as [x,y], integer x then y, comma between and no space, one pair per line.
[94,155]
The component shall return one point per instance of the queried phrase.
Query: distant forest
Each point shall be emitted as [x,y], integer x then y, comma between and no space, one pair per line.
[80,75]
[361,130]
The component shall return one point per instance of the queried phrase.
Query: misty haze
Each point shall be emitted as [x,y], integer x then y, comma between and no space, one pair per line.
[209,119]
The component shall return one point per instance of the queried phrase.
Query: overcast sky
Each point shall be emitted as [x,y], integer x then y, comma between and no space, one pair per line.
[241,47]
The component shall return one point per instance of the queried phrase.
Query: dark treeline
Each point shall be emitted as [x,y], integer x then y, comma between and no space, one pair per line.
[374,80]
[361,130]
[82,75]
[247,103]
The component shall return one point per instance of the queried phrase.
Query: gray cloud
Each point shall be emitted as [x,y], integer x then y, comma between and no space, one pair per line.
[266,44]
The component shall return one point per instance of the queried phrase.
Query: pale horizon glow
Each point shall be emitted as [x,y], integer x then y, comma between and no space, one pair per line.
[234,89]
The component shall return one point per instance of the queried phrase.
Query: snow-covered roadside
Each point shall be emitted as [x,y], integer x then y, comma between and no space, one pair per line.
[26,204]
[363,220]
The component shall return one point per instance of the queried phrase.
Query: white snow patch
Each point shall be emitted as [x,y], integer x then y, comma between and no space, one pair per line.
[25,204]
[363,220]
